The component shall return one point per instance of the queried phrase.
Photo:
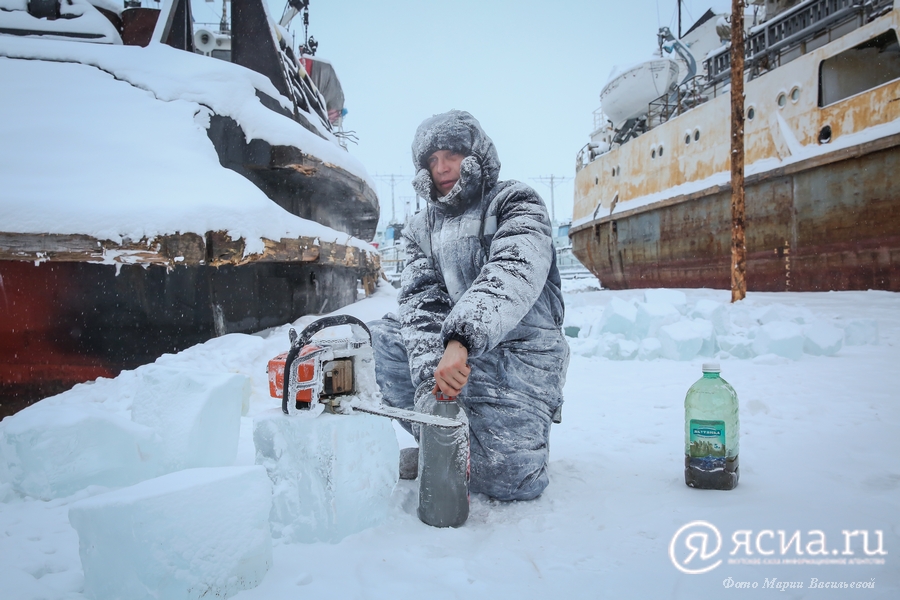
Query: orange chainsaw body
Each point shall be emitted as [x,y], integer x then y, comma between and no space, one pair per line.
[306,371]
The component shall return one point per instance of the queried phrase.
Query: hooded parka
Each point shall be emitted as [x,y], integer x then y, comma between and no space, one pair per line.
[481,270]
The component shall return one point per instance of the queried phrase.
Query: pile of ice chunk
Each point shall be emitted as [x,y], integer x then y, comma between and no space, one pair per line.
[196,533]
[179,419]
[171,515]
[53,451]
[664,324]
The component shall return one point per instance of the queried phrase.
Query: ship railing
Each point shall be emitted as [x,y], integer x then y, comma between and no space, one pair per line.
[393,259]
[600,118]
[686,96]
[765,46]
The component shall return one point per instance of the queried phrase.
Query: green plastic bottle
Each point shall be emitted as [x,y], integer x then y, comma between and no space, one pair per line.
[711,432]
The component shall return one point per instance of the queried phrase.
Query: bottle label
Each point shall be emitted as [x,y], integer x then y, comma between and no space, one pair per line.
[707,438]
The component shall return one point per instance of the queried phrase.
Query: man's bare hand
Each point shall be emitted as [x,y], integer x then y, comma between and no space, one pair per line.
[452,372]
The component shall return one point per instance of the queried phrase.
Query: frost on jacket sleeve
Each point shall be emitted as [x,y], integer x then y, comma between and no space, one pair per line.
[424,304]
[513,277]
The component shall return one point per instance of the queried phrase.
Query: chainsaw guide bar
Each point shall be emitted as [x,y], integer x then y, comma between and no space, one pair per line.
[411,416]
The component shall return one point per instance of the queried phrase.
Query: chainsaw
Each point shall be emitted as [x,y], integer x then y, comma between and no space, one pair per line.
[337,373]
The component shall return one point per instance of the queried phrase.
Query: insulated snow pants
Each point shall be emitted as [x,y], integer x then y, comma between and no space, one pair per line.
[509,399]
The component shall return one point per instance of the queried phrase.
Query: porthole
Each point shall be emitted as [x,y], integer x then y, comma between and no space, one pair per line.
[596,180]
[618,170]
[825,134]
[751,112]
[660,151]
[795,94]
[696,135]
[782,99]
[687,138]
[653,153]
[614,172]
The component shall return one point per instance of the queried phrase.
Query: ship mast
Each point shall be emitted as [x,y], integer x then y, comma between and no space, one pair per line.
[679,19]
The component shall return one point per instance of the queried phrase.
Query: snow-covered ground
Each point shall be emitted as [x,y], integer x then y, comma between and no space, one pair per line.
[819,481]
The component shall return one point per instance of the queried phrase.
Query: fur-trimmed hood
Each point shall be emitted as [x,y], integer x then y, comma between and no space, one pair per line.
[457,131]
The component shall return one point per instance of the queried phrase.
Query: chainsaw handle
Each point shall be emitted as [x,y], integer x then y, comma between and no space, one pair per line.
[324,323]
[298,342]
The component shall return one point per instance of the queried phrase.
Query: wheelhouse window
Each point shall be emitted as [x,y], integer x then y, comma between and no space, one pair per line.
[861,68]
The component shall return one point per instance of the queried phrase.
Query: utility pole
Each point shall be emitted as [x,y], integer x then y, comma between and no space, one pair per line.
[738,246]
[552,181]
[407,206]
[393,179]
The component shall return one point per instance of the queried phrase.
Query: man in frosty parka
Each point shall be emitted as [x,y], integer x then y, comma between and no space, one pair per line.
[481,308]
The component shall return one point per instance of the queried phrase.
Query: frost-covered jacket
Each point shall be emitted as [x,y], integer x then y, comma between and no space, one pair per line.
[481,263]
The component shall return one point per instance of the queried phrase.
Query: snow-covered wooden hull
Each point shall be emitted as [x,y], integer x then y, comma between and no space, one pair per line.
[65,323]
[80,301]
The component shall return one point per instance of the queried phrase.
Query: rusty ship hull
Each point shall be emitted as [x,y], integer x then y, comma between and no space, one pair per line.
[821,193]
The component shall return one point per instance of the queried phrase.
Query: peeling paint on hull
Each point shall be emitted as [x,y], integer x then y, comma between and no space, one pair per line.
[835,226]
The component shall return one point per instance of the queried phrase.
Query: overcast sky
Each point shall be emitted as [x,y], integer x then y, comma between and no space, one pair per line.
[531,72]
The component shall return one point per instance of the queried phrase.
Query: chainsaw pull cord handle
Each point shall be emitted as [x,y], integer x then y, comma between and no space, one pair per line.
[299,342]
[442,397]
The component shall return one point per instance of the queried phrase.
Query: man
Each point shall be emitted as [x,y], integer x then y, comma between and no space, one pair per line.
[480,308]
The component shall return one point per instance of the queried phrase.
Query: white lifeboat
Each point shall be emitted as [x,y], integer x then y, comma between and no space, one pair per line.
[630,91]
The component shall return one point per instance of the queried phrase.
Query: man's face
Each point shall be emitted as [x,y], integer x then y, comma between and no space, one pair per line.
[444,168]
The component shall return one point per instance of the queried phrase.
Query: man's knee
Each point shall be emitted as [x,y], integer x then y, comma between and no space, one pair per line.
[386,335]
[515,476]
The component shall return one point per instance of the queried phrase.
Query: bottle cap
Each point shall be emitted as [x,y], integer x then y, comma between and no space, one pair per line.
[711,367]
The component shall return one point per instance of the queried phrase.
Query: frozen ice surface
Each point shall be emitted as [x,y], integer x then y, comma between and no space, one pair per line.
[52,451]
[649,349]
[196,414]
[769,314]
[779,312]
[676,298]
[708,332]
[783,338]
[333,474]
[742,317]
[771,360]
[858,332]
[653,315]
[622,349]
[618,317]
[712,311]
[684,339]
[822,339]
[197,533]
[736,345]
